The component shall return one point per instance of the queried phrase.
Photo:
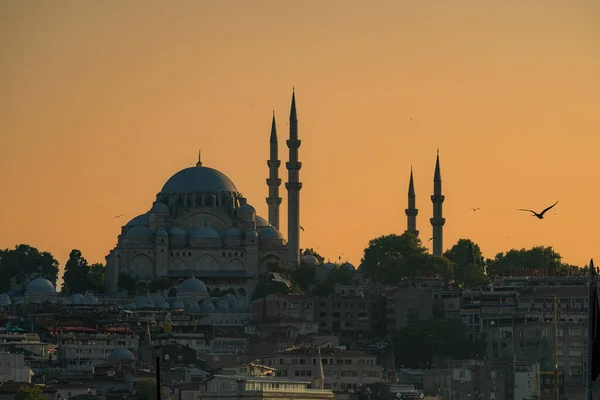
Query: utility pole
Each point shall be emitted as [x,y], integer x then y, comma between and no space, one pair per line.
[555,304]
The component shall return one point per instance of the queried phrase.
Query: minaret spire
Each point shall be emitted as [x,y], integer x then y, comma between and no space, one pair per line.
[412,211]
[293,187]
[438,221]
[273,181]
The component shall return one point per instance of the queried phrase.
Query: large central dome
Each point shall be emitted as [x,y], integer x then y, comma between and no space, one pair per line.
[198,179]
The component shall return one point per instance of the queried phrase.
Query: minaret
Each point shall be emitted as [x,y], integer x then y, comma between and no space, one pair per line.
[438,221]
[273,182]
[411,212]
[293,187]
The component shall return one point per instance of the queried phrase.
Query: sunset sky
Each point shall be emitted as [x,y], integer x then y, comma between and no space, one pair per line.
[102,101]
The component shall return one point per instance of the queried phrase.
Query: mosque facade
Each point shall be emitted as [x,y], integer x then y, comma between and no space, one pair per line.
[201,226]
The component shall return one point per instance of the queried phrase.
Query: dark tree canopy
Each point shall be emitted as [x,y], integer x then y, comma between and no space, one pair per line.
[146,389]
[126,282]
[392,258]
[423,343]
[304,275]
[23,263]
[96,277]
[75,277]
[159,284]
[27,392]
[538,258]
[468,263]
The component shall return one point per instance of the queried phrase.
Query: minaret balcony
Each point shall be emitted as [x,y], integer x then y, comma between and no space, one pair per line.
[297,165]
[437,221]
[293,186]
[273,181]
[411,212]
[293,143]
[273,163]
[273,201]
[438,198]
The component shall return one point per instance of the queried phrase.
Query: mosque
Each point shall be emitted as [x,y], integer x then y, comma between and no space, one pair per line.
[201,226]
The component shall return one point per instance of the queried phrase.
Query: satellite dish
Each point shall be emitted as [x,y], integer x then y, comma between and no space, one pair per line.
[421,395]
[398,395]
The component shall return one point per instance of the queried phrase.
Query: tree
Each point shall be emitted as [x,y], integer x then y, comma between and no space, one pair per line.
[126,282]
[539,258]
[146,389]
[391,258]
[27,392]
[312,252]
[422,343]
[75,277]
[23,263]
[159,284]
[304,275]
[338,275]
[468,262]
[96,277]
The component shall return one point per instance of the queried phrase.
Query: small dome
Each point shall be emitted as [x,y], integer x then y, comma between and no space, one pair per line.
[233,232]
[160,231]
[177,232]
[207,306]
[139,232]
[230,299]
[222,305]
[77,298]
[270,233]
[40,285]
[143,220]
[261,222]
[310,259]
[238,307]
[120,354]
[251,234]
[199,179]
[192,286]
[329,266]
[159,207]
[348,266]
[205,232]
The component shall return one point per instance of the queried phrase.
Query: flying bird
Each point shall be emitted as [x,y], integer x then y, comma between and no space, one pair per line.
[475,209]
[538,215]
[118,216]
[430,239]
[301,228]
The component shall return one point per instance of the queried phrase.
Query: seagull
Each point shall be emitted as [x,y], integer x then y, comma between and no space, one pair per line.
[118,216]
[538,215]
[301,228]
[475,209]
[430,239]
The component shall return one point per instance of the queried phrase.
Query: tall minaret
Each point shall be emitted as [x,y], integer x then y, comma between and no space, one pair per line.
[293,187]
[411,211]
[438,221]
[274,181]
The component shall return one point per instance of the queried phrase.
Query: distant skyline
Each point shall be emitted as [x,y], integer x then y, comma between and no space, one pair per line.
[101,102]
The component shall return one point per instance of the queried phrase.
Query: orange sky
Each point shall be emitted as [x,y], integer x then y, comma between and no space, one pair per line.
[101,102]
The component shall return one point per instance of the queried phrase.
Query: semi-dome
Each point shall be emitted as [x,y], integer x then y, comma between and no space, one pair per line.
[159,207]
[199,179]
[40,285]
[270,233]
[205,232]
[139,232]
[261,222]
[120,354]
[251,234]
[192,286]
[233,232]
[246,208]
[177,232]
[143,220]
